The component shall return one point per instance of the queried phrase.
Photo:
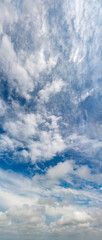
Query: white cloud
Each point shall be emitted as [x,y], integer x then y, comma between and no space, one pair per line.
[18,76]
[84,142]
[36,63]
[3,108]
[87,94]
[6,143]
[73,218]
[51,89]
[60,170]
[25,132]
[47,147]
[8,14]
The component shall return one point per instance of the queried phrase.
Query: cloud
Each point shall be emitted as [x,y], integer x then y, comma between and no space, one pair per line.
[51,89]
[34,208]
[73,218]
[42,143]
[18,76]
[38,71]
[3,107]
[50,109]
[8,14]
[60,170]
[36,63]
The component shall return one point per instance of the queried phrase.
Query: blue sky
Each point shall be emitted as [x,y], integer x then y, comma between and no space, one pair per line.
[50,119]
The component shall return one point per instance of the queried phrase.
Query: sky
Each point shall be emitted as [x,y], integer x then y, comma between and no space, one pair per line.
[50,119]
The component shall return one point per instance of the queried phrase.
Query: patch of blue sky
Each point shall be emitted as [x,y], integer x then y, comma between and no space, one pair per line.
[4,86]
[50,219]
[9,161]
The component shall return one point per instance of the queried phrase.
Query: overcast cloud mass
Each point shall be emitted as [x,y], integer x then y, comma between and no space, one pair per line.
[50,119]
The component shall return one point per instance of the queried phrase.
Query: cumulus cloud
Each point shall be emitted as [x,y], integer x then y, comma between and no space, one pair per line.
[26,132]
[26,205]
[60,170]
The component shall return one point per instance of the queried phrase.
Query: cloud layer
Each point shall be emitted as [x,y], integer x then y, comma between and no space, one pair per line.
[50,119]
